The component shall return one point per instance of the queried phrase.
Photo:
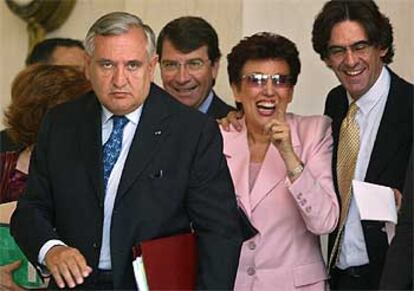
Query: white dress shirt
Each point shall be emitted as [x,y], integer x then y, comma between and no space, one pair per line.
[371,108]
[114,177]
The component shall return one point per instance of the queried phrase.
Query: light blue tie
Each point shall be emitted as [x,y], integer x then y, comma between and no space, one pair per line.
[112,147]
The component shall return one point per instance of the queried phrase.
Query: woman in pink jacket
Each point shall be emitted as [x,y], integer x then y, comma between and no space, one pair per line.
[281,168]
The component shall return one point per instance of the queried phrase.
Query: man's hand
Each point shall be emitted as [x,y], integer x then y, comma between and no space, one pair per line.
[232,118]
[67,266]
[6,278]
[398,198]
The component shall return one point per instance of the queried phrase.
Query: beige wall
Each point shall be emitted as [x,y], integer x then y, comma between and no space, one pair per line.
[12,52]
[232,19]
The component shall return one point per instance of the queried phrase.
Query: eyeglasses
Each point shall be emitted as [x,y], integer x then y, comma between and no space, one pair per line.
[259,80]
[192,65]
[359,48]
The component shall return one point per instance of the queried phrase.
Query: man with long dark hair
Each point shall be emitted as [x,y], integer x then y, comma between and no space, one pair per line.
[372,115]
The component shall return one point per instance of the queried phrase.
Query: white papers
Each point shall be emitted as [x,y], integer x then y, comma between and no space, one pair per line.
[139,274]
[376,202]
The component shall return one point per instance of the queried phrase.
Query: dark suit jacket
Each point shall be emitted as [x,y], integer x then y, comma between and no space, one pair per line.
[65,194]
[6,144]
[389,157]
[398,268]
[218,108]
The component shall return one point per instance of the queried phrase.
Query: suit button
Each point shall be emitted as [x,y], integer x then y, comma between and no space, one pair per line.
[251,271]
[251,245]
[95,245]
[308,209]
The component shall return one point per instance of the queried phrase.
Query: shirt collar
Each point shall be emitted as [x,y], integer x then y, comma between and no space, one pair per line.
[378,91]
[133,116]
[206,103]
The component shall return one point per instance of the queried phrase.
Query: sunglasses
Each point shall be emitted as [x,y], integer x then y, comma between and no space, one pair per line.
[259,80]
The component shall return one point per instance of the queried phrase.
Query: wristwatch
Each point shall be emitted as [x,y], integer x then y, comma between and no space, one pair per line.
[296,171]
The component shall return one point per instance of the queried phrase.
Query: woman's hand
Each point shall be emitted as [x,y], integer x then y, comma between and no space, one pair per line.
[6,278]
[279,131]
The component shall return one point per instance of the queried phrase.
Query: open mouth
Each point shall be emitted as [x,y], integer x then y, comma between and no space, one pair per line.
[354,73]
[185,90]
[266,108]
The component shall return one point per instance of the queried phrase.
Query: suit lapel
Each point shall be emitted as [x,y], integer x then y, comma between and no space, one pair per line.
[151,130]
[237,154]
[90,144]
[337,112]
[390,129]
[218,108]
[271,174]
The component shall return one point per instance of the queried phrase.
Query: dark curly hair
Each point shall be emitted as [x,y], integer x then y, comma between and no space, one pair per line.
[377,26]
[189,33]
[34,91]
[262,46]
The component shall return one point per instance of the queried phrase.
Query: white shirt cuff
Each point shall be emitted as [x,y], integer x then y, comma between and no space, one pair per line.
[46,247]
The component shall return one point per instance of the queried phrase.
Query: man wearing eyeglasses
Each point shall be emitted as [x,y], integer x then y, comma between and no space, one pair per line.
[355,41]
[189,57]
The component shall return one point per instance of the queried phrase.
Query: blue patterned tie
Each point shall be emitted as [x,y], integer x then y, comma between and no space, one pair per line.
[112,147]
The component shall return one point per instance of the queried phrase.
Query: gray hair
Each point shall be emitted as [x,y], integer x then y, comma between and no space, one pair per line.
[117,23]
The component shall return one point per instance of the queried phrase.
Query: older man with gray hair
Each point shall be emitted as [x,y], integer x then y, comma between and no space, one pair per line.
[115,168]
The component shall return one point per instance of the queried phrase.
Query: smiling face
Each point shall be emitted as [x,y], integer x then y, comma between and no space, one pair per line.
[120,70]
[260,103]
[188,84]
[358,67]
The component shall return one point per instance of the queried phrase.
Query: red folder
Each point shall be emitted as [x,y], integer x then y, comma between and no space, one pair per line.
[170,262]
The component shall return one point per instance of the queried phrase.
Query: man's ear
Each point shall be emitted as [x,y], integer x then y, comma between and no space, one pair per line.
[327,62]
[383,52]
[215,68]
[88,61]
[152,64]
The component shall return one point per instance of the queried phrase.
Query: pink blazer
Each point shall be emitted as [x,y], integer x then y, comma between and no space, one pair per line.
[285,254]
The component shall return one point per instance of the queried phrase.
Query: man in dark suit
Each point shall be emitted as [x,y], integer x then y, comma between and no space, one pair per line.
[120,166]
[189,56]
[398,268]
[354,39]
[55,51]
